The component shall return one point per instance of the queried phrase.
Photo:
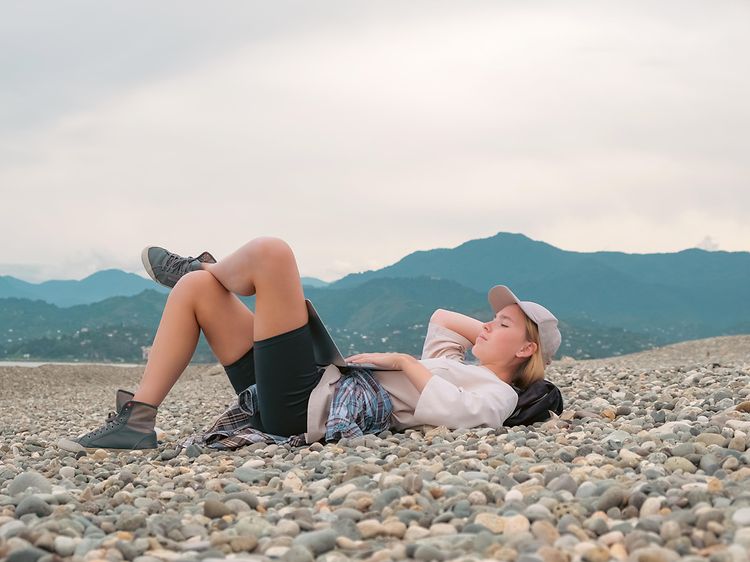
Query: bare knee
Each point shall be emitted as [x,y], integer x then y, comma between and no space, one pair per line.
[269,249]
[196,282]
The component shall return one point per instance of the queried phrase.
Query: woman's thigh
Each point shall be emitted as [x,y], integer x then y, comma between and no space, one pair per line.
[285,369]
[225,320]
[279,298]
[286,374]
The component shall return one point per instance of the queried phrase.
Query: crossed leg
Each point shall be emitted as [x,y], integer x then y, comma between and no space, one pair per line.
[264,267]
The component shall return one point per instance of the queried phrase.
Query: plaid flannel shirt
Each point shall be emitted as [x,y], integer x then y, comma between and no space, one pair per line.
[359,405]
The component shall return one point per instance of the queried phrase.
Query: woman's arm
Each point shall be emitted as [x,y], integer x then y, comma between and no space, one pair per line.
[467,326]
[418,374]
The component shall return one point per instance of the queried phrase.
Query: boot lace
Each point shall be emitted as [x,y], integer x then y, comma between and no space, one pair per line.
[113,420]
[177,264]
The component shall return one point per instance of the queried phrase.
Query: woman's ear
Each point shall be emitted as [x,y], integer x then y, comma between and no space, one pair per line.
[528,350]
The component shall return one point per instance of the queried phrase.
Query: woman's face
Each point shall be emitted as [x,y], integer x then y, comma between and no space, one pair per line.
[503,339]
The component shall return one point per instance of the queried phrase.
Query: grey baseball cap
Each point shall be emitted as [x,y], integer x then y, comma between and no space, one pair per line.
[501,296]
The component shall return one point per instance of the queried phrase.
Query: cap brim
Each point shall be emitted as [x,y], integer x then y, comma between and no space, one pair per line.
[501,296]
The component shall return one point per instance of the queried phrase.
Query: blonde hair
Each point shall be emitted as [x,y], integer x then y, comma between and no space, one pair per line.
[532,369]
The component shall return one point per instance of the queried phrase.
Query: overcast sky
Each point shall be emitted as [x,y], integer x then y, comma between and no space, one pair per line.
[363,131]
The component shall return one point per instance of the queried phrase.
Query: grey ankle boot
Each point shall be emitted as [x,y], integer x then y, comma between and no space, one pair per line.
[120,399]
[131,428]
[167,268]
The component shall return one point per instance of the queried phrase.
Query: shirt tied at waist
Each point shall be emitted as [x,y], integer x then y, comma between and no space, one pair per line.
[360,405]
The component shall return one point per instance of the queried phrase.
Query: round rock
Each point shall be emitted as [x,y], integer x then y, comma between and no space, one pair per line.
[741,517]
[33,504]
[28,481]
[215,509]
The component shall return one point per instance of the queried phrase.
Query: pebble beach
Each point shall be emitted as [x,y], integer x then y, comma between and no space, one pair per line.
[648,462]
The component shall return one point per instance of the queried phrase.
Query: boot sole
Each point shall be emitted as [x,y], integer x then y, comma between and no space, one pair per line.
[136,448]
[147,264]
[94,449]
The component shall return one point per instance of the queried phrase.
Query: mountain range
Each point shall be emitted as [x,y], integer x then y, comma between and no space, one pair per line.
[94,288]
[608,303]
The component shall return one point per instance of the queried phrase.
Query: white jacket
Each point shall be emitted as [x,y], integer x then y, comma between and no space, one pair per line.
[457,395]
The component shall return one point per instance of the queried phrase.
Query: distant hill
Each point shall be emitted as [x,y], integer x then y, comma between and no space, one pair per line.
[96,287]
[688,294]
[379,315]
[608,303]
[313,282]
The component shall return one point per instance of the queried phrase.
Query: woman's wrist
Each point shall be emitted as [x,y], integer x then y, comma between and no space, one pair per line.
[417,373]
[404,359]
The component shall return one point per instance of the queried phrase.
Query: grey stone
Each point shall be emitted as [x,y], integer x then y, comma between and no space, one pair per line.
[617,437]
[247,497]
[612,497]
[474,528]
[709,464]
[537,511]
[29,481]
[12,529]
[596,524]
[249,475]
[130,521]
[566,521]
[386,497]
[317,542]
[163,524]
[297,553]
[563,482]
[33,504]
[659,416]
[193,451]
[346,528]
[427,552]
[586,490]
[31,554]
[64,546]
[355,514]
[85,546]
[683,449]
[127,549]
[462,509]
[168,454]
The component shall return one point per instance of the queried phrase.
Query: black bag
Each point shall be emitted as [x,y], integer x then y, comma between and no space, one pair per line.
[535,403]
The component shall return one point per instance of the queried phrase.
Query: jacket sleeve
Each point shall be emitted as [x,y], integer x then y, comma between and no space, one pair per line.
[442,342]
[443,403]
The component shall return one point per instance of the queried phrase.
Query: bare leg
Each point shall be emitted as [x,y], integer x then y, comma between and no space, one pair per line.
[264,266]
[197,301]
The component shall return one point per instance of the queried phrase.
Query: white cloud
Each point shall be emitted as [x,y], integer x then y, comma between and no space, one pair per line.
[708,244]
[363,139]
